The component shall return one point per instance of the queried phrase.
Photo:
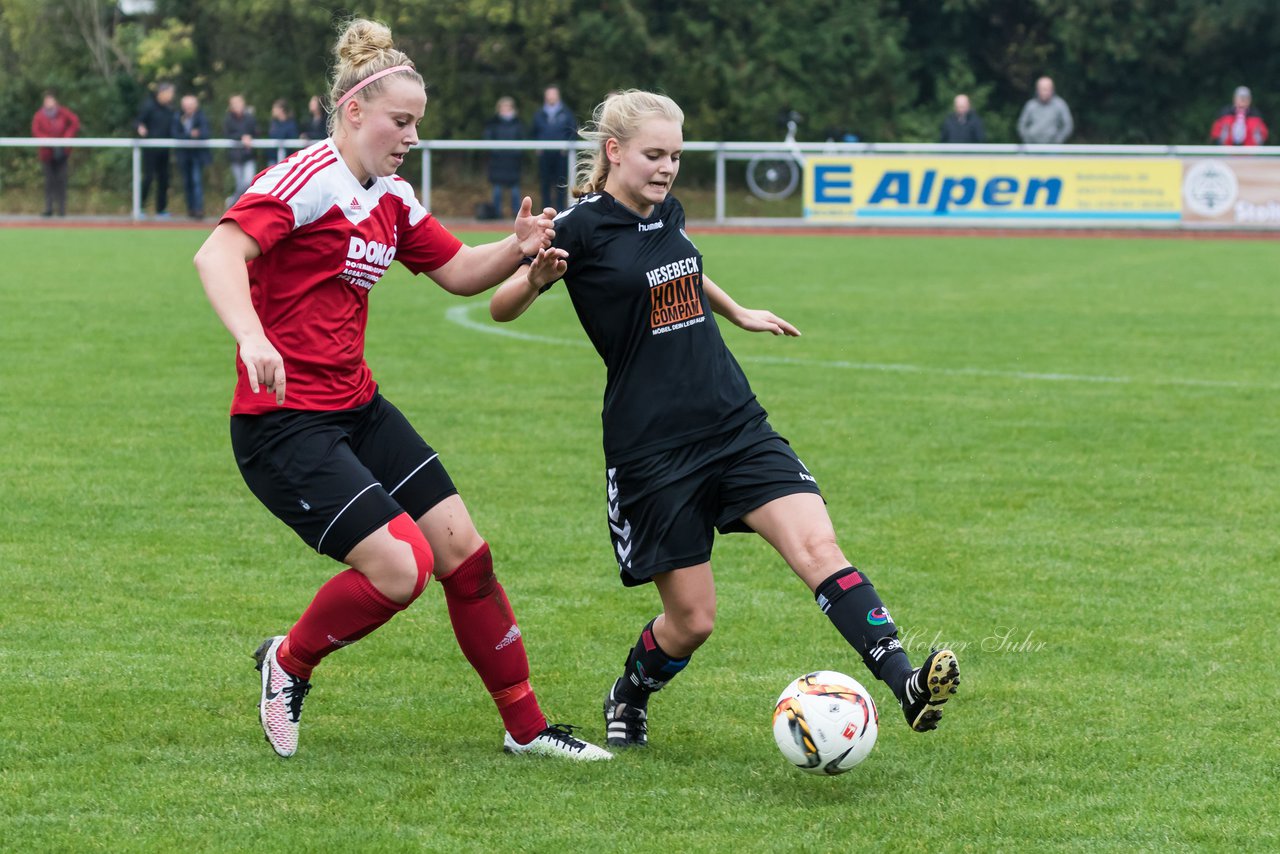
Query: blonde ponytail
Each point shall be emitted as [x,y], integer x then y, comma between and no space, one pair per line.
[363,49]
[617,117]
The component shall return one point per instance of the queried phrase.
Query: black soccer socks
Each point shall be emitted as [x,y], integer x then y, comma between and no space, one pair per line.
[854,607]
[648,668]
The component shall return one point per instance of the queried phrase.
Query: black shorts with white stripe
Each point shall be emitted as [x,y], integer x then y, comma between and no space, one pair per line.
[336,477]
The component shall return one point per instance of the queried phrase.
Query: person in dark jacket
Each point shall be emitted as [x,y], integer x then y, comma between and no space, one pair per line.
[505,166]
[553,122]
[283,126]
[191,123]
[155,121]
[1240,123]
[54,120]
[239,123]
[317,124]
[963,125]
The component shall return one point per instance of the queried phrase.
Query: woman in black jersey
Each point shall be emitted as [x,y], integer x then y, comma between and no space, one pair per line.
[701,455]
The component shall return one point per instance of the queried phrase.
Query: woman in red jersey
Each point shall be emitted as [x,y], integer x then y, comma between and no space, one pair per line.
[288,270]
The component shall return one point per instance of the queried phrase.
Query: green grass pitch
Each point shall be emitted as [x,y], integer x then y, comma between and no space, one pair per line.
[1061,456]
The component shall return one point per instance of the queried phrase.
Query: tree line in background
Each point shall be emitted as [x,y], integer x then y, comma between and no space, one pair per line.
[1142,71]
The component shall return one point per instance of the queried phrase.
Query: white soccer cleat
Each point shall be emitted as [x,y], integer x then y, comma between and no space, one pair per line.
[557,740]
[280,707]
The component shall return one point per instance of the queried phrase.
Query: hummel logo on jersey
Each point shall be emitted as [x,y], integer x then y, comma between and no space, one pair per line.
[513,635]
[650,226]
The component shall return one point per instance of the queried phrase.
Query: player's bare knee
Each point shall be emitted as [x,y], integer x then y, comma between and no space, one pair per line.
[817,549]
[456,550]
[472,577]
[700,631]
[402,584]
[393,575]
[693,627]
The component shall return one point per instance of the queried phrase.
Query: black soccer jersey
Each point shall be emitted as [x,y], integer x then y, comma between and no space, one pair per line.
[637,287]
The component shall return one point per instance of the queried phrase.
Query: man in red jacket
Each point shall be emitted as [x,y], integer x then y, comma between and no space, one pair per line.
[54,120]
[1240,123]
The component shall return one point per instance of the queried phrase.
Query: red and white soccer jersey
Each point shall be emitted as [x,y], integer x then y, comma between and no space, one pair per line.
[326,240]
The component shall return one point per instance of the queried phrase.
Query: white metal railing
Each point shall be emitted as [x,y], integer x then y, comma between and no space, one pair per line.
[723,151]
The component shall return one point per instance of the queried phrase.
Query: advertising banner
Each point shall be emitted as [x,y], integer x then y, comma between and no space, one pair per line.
[1237,192]
[994,191]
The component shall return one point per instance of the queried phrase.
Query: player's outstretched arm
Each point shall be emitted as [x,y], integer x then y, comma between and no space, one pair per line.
[221,263]
[475,269]
[518,292]
[750,319]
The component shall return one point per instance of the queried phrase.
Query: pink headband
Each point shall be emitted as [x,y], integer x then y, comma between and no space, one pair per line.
[372,77]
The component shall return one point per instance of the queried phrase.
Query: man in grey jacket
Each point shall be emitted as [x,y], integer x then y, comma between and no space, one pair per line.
[1046,118]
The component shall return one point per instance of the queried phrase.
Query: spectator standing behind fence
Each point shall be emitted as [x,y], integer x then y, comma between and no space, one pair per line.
[553,122]
[1240,123]
[155,121]
[963,125]
[239,123]
[283,127]
[505,166]
[54,120]
[1046,118]
[317,126]
[191,123]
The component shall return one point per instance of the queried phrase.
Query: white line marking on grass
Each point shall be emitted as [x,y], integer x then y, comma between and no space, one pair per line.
[461,315]
[889,367]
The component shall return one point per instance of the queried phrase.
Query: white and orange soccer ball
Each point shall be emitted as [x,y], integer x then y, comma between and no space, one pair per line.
[825,723]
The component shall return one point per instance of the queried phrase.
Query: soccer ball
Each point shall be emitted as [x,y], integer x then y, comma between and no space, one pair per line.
[825,723]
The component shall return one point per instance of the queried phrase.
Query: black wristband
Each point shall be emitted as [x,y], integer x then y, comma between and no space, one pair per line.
[527,261]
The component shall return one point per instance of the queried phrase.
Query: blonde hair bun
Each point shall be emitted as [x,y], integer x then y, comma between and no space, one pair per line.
[362,41]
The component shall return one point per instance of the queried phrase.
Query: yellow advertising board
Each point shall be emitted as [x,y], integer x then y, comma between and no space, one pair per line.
[1108,191]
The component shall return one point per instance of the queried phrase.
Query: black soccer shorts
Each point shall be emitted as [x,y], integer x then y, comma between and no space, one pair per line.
[336,477]
[664,509]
